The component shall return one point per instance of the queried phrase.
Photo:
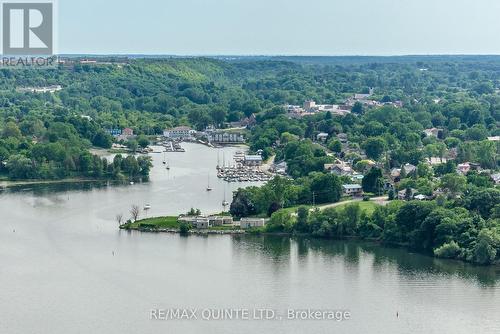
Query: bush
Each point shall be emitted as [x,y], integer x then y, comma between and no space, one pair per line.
[450,250]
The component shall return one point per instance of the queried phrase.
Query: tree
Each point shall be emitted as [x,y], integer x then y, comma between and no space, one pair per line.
[135,212]
[119,219]
[143,141]
[302,216]
[357,108]
[454,183]
[335,145]
[11,130]
[374,147]
[484,251]
[373,182]
[20,167]
[242,205]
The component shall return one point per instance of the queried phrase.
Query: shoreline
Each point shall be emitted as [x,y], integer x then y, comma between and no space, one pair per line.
[4,184]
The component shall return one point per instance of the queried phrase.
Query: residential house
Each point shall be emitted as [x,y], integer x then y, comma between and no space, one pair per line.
[434,161]
[323,136]
[494,138]
[402,194]
[495,178]
[128,132]
[352,190]
[246,223]
[433,132]
[409,168]
[463,168]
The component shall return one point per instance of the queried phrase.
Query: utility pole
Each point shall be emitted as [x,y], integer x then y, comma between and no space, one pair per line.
[314,199]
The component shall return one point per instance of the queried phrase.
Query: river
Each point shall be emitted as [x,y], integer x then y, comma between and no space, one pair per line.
[67,268]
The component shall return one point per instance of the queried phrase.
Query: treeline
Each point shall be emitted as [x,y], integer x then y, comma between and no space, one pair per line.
[283,193]
[56,150]
[466,229]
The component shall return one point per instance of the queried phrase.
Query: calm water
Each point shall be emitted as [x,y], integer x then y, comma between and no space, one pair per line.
[66,268]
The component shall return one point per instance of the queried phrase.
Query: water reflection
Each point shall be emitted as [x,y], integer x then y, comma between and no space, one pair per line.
[353,253]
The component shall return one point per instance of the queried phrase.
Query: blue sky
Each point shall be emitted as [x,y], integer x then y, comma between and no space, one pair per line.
[280,27]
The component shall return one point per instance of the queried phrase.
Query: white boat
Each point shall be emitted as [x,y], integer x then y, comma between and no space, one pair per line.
[208,186]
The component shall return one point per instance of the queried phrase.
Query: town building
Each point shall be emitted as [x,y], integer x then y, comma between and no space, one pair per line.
[352,190]
[220,220]
[246,223]
[221,137]
[252,160]
[179,133]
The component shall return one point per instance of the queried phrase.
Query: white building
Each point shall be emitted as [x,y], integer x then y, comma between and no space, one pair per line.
[252,160]
[352,190]
[252,222]
[220,220]
[180,132]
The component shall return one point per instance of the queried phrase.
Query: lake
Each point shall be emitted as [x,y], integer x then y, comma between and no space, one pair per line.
[67,268]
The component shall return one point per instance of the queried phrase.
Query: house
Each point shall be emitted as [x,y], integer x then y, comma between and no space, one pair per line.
[342,137]
[494,138]
[323,136]
[308,105]
[252,160]
[198,222]
[463,168]
[409,168]
[495,178]
[396,174]
[402,194]
[356,177]
[114,132]
[220,220]
[420,197]
[352,190]
[252,222]
[434,161]
[432,132]
[180,132]
[127,132]
[281,168]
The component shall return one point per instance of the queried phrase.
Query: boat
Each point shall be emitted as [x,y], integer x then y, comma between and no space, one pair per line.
[208,185]
[224,202]
[164,161]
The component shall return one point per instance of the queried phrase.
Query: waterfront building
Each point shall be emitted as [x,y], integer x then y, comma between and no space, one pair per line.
[252,160]
[180,132]
[246,223]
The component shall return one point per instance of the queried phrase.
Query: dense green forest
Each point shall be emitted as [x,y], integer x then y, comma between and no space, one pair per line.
[48,135]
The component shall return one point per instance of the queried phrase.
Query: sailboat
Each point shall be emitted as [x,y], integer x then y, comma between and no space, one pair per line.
[208,185]
[224,202]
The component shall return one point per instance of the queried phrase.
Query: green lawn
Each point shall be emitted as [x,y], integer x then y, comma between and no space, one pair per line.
[158,222]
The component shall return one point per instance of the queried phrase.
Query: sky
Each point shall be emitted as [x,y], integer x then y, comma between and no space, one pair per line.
[279,27]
